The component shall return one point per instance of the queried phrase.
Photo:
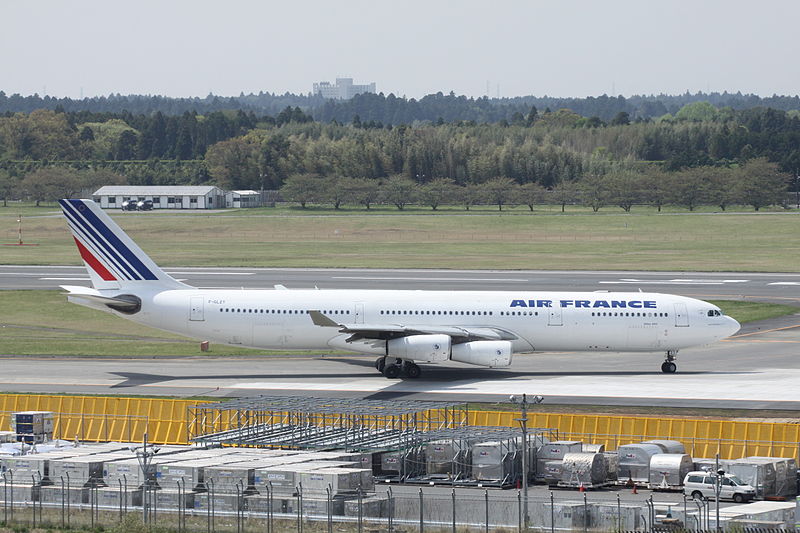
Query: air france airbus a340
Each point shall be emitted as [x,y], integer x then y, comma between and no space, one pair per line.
[402,327]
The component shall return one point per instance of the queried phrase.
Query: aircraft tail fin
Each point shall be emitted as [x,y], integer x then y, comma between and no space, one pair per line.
[112,259]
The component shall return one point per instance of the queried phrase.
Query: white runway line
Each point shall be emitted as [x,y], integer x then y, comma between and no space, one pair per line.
[455,280]
[673,282]
[202,272]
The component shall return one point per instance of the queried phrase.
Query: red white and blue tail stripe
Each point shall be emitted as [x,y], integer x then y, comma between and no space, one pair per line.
[111,257]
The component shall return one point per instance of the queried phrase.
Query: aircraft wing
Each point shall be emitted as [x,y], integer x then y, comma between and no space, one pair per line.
[391,331]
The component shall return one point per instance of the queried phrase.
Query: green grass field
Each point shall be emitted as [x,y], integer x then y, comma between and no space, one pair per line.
[43,323]
[451,239]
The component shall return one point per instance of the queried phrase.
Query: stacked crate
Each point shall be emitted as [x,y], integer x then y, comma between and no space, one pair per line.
[32,426]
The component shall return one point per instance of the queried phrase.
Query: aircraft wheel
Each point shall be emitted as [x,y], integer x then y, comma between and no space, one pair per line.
[380,364]
[669,367]
[391,371]
[412,370]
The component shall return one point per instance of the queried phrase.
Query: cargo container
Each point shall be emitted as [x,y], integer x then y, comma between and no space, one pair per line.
[570,516]
[32,422]
[23,493]
[593,448]
[710,465]
[785,474]
[224,503]
[758,473]
[72,495]
[554,451]
[281,479]
[667,470]
[551,472]
[372,507]
[611,517]
[496,461]
[447,458]
[401,463]
[634,462]
[668,446]
[86,469]
[612,462]
[583,469]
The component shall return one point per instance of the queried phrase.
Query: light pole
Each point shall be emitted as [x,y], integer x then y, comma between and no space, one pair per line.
[523,422]
[144,456]
[720,473]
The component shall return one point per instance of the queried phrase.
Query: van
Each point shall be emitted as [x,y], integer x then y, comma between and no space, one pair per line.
[703,485]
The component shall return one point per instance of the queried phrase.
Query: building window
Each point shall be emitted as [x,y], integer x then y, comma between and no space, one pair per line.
[156,199]
[192,200]
[112,199]
[210,200]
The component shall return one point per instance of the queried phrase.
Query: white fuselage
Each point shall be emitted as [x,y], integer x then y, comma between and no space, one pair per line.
[570,321]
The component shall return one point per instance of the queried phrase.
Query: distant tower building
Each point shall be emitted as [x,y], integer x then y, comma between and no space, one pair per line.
[343,90]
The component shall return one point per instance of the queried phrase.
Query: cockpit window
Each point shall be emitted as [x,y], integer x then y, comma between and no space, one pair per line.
[714,312]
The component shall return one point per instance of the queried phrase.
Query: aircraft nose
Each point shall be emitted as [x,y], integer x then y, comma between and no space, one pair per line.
[732,326]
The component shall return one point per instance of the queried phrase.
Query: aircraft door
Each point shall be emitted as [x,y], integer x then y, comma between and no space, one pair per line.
[554,318]
[681,316]
[359,313]
[196,309]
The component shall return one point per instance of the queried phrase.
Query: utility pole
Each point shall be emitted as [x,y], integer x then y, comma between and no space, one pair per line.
[523,422]
[717,488]
[145,456]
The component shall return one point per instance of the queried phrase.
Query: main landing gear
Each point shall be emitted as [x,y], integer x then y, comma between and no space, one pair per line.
[393,368]
[669,366]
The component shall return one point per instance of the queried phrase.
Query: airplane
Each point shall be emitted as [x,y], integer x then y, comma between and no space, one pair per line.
[402,327]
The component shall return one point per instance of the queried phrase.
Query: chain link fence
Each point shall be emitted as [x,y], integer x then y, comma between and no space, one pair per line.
[65,504]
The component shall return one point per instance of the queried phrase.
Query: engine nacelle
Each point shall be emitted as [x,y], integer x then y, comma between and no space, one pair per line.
[493,354]
[425,348]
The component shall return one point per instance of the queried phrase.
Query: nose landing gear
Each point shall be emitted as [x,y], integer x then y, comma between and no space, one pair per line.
[669,366]
[393,368]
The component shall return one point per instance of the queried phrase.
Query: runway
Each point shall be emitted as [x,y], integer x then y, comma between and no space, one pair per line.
[771,287]
[755,370]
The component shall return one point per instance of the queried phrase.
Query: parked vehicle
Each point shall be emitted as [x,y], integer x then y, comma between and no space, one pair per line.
[704,485]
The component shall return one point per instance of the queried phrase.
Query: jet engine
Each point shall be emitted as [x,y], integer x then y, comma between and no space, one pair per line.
[483,353]
[425,348]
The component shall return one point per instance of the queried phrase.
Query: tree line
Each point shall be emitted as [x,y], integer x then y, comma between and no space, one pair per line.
[393,109]
[758,183]
[238,150]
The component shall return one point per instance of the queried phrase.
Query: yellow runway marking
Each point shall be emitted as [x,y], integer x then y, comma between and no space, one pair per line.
[760,341]
[765,331]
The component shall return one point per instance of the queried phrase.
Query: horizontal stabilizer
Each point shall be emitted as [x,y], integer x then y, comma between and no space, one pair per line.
[124,303]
